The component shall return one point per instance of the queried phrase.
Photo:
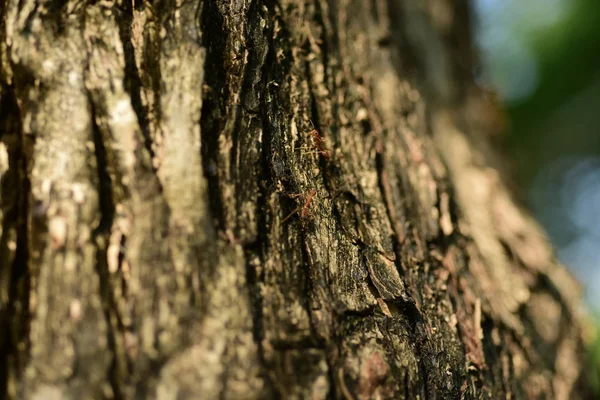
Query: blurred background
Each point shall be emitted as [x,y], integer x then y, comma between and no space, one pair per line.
[543,59]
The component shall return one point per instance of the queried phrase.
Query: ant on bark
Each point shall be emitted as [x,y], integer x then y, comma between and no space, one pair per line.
[319,145]
[304,208]
[319,142]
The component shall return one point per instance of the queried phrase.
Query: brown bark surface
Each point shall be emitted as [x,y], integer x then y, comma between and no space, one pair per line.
[265,199]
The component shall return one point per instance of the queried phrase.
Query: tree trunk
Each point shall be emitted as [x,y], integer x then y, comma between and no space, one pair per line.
[265,199]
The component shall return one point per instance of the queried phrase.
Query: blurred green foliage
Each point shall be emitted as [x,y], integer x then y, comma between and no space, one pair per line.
[567,55]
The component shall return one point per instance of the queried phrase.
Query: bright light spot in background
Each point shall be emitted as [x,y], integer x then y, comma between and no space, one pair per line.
[508,58]
[566,196]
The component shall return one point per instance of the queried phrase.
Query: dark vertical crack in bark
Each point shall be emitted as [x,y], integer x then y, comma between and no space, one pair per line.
[14,202]
[255,252]
[8,219]
[21,274]
[214,97]
[105,198]
[132,82]
[101,235]
[329,39]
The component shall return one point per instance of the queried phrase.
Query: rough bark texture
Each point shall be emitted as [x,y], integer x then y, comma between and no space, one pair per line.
[172,226]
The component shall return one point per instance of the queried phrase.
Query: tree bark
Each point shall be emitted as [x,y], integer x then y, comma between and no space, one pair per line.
[265,199]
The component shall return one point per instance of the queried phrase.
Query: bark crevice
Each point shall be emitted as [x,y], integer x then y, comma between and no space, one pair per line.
[15,274]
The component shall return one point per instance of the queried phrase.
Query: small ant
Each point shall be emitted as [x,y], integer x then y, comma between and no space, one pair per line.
[319,144]
[305,208]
